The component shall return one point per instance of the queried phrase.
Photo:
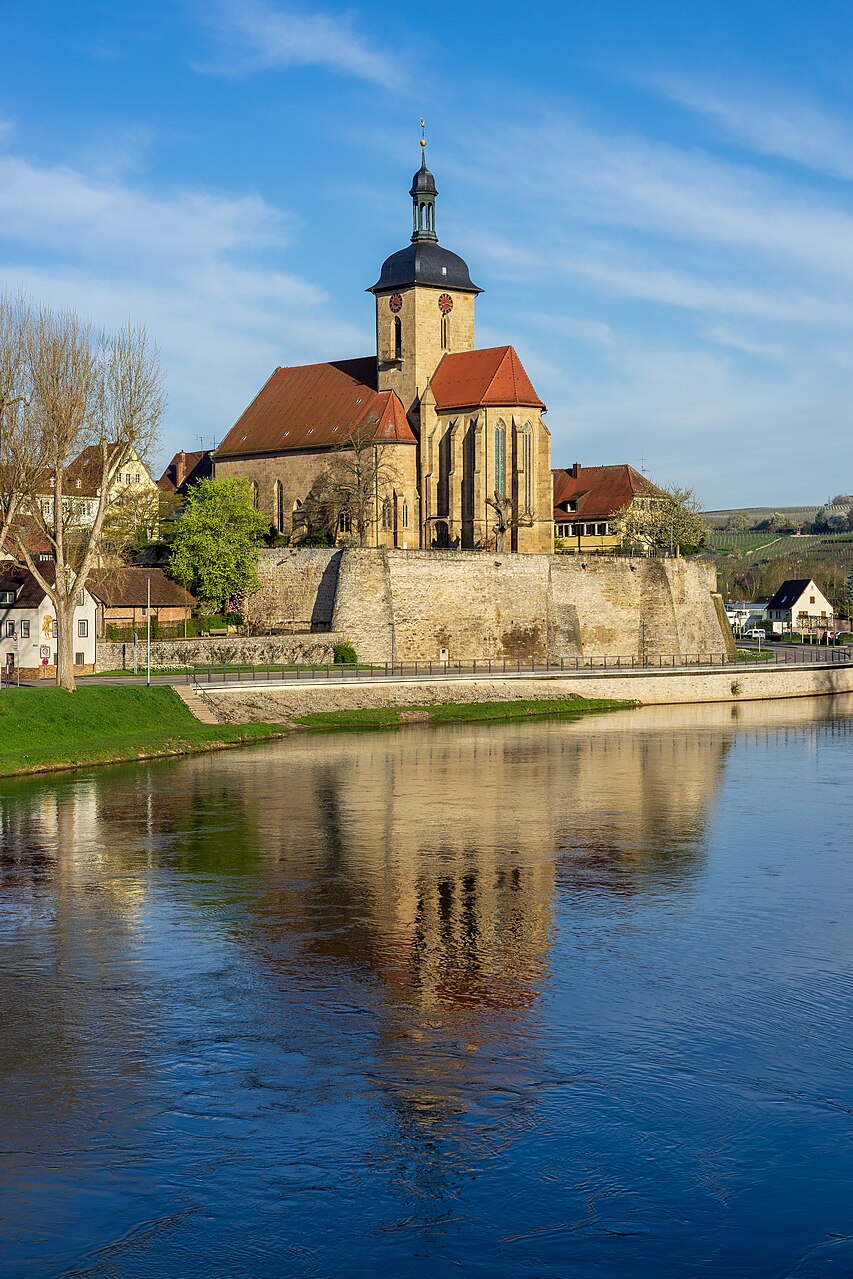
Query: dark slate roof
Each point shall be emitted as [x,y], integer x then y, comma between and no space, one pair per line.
[423,183]
[184,469]
[598,491]
[14,577]
[789,592]
[128,587]
[424,262]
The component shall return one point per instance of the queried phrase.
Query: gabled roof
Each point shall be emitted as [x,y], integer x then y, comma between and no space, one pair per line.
[184,469]
[15,577]
[789,592]
[315,406]
[494,376]
[598,491]
[128,587]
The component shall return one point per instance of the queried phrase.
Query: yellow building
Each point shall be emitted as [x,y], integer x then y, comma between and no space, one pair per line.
[461,456]
[587,497]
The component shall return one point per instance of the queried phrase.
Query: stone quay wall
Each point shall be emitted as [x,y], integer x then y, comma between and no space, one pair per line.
[665,688]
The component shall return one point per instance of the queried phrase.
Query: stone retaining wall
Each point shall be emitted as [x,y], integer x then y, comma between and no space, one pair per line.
[256,650]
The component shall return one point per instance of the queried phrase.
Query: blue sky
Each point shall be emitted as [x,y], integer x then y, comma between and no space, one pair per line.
[657,198]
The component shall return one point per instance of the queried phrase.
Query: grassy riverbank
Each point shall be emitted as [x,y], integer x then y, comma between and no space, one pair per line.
[458,712]
[45,729]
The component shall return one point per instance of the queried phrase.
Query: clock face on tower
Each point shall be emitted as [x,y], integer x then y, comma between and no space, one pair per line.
[445,303]
[395,302]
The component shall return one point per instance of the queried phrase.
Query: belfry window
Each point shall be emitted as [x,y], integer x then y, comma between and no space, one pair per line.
[398,338]
[500,459]
[445,333]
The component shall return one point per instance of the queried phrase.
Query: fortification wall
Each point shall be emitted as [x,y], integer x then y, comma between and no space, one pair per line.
[412,605]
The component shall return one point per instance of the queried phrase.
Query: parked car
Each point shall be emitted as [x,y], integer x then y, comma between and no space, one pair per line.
[755,632]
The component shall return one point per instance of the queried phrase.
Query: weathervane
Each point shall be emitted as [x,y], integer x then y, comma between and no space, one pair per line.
[423,132]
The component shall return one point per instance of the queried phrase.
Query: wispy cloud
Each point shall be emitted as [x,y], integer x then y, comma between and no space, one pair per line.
[770,124]
[254,36]
[196,266]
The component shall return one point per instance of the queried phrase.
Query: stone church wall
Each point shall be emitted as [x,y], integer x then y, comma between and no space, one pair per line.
[413,604]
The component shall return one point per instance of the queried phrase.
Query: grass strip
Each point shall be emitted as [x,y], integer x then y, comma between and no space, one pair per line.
[459,712]
[46,729]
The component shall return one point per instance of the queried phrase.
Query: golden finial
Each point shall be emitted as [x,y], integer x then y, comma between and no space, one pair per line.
[423,132]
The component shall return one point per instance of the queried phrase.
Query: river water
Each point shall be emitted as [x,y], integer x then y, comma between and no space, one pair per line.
[554,998]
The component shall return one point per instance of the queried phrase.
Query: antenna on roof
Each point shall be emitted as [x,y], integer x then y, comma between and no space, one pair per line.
[643,470]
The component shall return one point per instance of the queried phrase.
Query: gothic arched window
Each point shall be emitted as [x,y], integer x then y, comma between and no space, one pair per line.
[279,506]
[445,333]
[500,459]
[386,515]
[256,495]
[527,465]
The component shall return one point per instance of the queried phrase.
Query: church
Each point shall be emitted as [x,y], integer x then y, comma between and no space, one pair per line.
[460,455]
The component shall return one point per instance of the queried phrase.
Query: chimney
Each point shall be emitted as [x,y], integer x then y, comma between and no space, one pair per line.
[575,470]
[180,468]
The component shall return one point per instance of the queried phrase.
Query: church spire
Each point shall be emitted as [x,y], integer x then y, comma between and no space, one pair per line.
[423,195]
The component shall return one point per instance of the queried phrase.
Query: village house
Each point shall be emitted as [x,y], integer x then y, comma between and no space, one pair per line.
[82,489]
[799,605]
[587,497]
[465,451]
[29,627]
[122,594]
[184,470]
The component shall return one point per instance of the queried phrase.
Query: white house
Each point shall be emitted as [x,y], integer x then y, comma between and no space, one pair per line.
[799,605]
[28,629]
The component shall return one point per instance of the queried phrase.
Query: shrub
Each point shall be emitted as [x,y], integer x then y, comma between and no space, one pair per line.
[344,655]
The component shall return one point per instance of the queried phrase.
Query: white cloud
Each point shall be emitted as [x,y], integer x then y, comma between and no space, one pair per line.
[771,125]
[192,265]
[254,36]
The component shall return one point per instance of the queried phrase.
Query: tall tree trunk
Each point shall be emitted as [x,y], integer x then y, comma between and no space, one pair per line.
[65,644]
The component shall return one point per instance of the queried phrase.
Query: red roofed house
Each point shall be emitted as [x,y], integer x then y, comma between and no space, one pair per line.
[586,498]
[459,427]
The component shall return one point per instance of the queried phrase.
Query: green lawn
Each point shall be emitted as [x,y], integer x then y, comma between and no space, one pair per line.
[396,716]
[45,728]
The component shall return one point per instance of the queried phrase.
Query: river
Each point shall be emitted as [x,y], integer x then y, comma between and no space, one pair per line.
[552,998]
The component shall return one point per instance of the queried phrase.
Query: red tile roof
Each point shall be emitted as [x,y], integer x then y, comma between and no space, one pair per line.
[598,491]
[315,406]
[494,376]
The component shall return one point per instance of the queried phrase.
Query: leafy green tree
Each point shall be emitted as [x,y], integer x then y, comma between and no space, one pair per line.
[848,595]
[738,522]
[216,541]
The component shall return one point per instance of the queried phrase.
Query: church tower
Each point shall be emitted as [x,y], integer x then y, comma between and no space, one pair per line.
[424,303]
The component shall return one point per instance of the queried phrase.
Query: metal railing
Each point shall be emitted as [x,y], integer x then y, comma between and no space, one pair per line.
[505,667]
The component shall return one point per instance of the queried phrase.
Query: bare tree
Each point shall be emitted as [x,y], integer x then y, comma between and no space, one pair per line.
[21,445]
[356,482]
[101,393]
[503,508]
